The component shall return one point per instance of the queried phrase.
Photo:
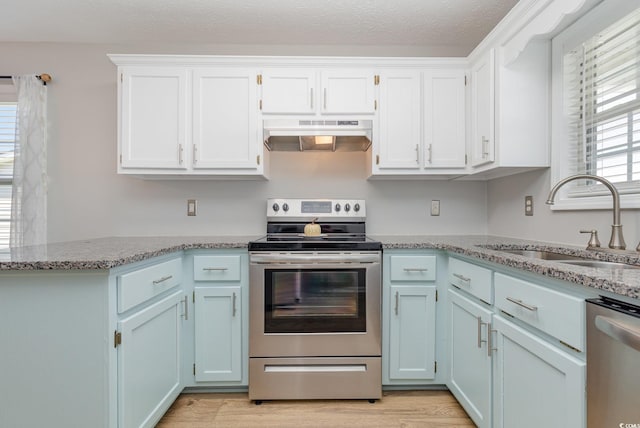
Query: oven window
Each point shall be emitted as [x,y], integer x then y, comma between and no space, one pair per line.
[315,300]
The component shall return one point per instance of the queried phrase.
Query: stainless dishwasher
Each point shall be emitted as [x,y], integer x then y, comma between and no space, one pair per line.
[613,364]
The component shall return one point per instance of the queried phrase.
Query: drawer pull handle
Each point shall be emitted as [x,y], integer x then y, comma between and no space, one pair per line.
[480,324]
[234,305]
[416,269]
[163,279]
[462,277]
[521,303]
[221,269]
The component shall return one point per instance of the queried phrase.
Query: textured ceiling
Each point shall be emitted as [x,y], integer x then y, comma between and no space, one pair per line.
[456,23]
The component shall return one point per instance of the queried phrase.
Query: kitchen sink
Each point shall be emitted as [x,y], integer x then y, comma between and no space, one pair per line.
[569,259]
[544,255]
[599,264]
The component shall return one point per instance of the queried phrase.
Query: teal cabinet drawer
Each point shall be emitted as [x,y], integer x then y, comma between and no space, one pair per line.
[143,284]
[557,314]
[216,268]
[471,278]
[413,268]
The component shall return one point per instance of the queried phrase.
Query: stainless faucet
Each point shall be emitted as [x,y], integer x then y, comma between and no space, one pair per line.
[617,240]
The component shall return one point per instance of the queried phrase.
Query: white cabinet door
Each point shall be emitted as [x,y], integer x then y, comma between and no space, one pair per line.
[483,110]
[225,123]
[400,120]
[535,384]
[149,362]
[218,334]
[286,91]
[412,332]
[444,124]
[347,92]
[470,364]
[153,108]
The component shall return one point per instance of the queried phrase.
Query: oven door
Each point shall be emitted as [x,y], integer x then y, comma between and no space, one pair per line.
[313,305]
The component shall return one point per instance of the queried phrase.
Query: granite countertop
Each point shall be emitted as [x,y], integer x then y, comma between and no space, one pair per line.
[625,282]
[107,253]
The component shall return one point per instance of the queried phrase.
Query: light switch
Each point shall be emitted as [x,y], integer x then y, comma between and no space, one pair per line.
[192,205]
[435,207]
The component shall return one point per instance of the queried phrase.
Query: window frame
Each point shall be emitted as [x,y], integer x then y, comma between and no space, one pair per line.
[594,21]
[5,180]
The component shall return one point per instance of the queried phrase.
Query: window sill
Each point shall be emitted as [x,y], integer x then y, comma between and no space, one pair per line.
[594,203]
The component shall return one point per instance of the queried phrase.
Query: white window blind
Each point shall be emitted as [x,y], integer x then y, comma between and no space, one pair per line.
[7,144]
[602,99]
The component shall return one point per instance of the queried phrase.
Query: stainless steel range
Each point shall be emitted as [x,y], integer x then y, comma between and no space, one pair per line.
[314,323]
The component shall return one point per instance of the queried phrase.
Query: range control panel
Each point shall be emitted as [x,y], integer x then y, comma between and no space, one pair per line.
[323,209]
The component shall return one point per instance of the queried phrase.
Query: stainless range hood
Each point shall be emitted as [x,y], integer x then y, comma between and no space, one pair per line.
[320,135]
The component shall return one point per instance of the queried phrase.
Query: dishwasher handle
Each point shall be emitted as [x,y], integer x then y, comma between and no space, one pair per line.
[619,331]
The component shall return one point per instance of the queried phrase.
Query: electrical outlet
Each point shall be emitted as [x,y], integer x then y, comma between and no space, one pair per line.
[435,207]
[192,206]
[528,205]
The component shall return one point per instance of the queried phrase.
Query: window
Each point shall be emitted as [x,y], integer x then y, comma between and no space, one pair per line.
[598,68]
[7,143]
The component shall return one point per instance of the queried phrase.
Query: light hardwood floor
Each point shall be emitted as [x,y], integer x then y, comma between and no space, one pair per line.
[406,409]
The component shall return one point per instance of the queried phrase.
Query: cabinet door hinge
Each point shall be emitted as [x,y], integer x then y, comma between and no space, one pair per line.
[194,369]
[259,79]
[436,295]
[121,78]
[194,297]
[465,159]
[117,338]
[377,159]
[120,159]
[435,366]
[260,104]
[258,159]
[465,80]
[375,104]
[376,79]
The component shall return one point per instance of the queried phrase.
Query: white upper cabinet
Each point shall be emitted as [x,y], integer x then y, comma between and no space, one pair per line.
[317,91]
[153,116]
[347,91]
[181,118]
[289,91]
[225,123]
[444,119]
[482,110]
[400,119]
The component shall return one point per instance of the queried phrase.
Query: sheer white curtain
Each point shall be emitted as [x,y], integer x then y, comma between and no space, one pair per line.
[29,196]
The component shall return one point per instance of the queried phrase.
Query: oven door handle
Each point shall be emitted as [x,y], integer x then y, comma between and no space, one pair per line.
[315,258]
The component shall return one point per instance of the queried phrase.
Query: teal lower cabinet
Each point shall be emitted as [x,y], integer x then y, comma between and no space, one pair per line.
[220,318]
[536,384]
[518,361]
[409,318]
[218,334]
[470,356]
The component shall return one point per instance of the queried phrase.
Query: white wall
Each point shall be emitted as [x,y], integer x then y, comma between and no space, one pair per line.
[505,201]
[88,199]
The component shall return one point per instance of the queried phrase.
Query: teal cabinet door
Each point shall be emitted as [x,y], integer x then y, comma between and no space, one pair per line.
[470,359]
[535,384]
[218,334]
[149,362]
[412,329]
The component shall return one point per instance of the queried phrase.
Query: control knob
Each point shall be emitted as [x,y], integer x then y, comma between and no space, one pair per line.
[356,207]
[337,208]
[276,207]
[285,207]
[347,207]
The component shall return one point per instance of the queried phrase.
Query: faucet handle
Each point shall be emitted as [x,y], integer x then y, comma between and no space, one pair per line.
[594,242]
